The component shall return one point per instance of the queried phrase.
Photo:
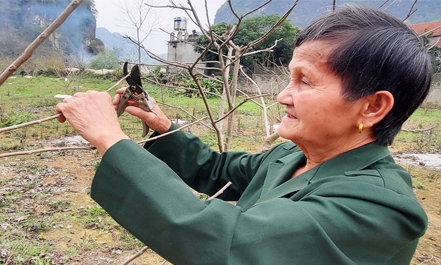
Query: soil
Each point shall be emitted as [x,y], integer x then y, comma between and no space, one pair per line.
[46,208]
[43,198]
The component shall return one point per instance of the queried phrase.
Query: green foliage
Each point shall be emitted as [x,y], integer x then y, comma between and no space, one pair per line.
[27,252]
[105,60]
[255,27]
[435,53]
[158,75]
[423,135]
[14,117]
[250,30]
[211,87]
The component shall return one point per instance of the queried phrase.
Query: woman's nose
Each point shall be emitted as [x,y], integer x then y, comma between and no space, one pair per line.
[284,96]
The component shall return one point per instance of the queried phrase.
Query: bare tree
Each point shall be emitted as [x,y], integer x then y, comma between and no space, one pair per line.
[142,19]
[228,64]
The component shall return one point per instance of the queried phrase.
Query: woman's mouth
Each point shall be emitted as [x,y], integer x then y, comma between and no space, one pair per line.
[290,116]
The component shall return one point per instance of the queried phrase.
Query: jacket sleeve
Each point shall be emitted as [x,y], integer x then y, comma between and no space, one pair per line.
[151,201]
[204,169]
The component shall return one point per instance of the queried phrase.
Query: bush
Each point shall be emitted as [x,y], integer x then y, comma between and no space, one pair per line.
[105,60]
[14,117]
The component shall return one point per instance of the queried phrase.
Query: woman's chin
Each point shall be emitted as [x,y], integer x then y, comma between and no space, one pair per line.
[283,131]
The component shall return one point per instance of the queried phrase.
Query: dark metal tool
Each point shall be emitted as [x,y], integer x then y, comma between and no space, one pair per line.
[135,92]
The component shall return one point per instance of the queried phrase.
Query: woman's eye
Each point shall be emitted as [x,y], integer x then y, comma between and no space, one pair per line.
[304,81]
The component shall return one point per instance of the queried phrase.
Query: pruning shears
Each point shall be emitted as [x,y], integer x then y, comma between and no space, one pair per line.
[135,92]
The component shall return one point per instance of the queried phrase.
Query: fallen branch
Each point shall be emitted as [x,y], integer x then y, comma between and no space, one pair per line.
[137,255]
[39,40]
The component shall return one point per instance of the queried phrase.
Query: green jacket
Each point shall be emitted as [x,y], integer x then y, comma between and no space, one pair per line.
[357,208]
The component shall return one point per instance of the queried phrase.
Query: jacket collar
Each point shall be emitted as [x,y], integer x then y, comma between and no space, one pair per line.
[278,183]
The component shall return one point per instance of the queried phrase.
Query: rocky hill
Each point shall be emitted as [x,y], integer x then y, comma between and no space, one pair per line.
[306,10]
[23,20]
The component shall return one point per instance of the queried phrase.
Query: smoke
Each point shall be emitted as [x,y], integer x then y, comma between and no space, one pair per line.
[26,19]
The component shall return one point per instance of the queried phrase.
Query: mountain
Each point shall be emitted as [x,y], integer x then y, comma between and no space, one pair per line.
[306,10]
[115,42]
[124,50]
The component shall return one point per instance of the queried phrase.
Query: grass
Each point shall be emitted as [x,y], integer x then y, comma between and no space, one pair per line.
[422,132]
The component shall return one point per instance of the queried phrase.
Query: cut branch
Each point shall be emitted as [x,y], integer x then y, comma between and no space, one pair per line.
[29,123]
[59,149]
[51,117]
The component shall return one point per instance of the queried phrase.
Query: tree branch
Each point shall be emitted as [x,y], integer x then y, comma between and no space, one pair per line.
[44,150]
[411,11]
[51,117]
[229,183]
[236,107]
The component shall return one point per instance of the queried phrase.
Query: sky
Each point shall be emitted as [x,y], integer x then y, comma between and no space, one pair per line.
[112,14]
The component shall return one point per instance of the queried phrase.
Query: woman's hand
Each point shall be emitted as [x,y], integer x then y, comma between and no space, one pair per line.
[93,116]
[155,119]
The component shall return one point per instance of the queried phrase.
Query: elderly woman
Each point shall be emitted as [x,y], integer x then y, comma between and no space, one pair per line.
[331,195]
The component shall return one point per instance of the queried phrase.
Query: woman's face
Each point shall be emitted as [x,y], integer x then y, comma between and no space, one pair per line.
[316,114]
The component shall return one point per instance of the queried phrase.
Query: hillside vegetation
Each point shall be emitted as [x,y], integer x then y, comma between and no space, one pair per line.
[23,20]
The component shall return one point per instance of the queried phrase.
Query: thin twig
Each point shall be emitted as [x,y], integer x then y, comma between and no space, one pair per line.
[117,83]
[187,112]
[411,11]
[59,149]
[39,40]
[229,183]
[45,150]
[29,123]
[171,132]
[426,33]
[53,116]
[138,254]
[236,107]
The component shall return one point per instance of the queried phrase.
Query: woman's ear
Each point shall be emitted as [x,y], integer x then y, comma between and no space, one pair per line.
[376,107]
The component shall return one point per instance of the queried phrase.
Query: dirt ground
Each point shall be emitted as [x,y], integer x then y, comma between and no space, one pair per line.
[429,248]
[46,211]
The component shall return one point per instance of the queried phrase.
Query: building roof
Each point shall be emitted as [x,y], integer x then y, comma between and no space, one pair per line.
[434,26]
[431,29]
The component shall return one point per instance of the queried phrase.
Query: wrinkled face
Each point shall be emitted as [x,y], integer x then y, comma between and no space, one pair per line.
[316,114]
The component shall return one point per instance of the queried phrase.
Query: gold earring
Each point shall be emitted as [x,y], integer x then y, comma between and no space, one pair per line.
[360,128]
